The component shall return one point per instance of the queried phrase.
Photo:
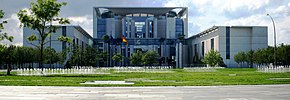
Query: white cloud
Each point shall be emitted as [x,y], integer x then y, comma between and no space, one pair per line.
[12,29]
[233,5]
[202,13]
[85,22]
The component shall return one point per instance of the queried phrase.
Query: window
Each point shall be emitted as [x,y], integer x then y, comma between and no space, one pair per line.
[151,29]
[195,48]
[202,48]
[227,42]
[100,44]
[212,43]
[128,52]
[63,30]
[63,34]
[178,27]
[77,41]
[101,28]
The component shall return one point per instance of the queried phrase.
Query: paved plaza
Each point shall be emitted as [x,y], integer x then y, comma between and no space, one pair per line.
[240,92]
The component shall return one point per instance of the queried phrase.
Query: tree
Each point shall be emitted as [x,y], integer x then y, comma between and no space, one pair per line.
[42,13]
[90,56]
[150,57]
[4,35]
[50,56]
[9,57]
[250,58]
[106,39]
[240,57]
[118,57]
[2,52]
[136,58]
[103,56]
[212,58]
[258,57]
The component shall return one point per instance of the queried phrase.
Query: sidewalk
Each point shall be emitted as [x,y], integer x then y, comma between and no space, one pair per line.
[240,92]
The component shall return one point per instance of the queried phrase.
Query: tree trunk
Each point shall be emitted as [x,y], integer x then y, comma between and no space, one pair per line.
[8,68]
[41,57]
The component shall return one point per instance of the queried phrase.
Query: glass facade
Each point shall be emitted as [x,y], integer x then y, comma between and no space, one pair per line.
[228,42]
[140,27]
[101,27]
[128,28]
[178,27]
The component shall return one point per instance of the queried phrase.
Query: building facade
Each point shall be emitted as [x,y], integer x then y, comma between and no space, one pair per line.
[228,40]
[79,36]
[163,29]
[145,28]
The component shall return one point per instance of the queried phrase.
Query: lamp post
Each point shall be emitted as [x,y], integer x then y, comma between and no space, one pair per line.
[274,39]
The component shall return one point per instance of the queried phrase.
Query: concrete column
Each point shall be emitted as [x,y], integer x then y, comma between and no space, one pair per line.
[133,29]
[155,27]
[146,28]
[180,55]
[124,26]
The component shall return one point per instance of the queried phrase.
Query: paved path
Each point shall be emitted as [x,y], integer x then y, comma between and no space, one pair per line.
[241,92]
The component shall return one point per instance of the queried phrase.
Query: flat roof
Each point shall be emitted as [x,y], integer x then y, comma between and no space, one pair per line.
[148,10]
[213,28]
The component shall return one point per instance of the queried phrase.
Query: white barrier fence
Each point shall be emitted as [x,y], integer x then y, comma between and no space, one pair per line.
[273,69]
[202,69]
[93,70]
[74,70]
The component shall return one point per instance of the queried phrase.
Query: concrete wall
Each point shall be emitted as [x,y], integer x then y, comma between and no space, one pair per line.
[242,38]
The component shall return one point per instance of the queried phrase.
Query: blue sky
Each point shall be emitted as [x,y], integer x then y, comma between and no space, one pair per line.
[203,14]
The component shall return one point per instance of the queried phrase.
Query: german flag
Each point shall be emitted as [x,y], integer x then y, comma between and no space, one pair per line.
[124,40]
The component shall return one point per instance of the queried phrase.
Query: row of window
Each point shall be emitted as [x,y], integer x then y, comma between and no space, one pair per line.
[140,28]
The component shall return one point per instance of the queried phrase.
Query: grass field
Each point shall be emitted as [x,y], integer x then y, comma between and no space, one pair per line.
[177,77]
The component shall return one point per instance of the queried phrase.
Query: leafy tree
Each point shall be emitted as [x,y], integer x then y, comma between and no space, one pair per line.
[118,57]
[2,52]
[258,57]
[50,56]
[136,58]
[75,58]
[150,57]
[103,57]
[9,57]
[212,58]
[106,39]
[240,57]
[42,13]
[7,52]
[4,35]
[250,58]
[282,54]
[90,56]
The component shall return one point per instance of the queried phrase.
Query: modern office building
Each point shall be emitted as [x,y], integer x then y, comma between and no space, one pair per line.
[145,28]
[163,29]
[228,40]
[160,29]
[79,36]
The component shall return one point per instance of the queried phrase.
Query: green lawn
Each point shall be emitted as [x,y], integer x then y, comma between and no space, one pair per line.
[176,78]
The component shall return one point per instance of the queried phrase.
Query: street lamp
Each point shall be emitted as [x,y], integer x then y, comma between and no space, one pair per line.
[274,39]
